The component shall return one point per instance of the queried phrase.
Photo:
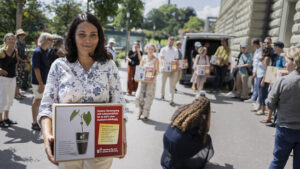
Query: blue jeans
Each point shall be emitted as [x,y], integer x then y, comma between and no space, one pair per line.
[262,91]
[255,90]
[286,140]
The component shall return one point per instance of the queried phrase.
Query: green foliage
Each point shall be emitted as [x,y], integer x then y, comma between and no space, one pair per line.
[34,19]
[194,23]
[74,113]
[105,8]
[121,55]
[65,11]
[135,9]
[166,20]
[86,117]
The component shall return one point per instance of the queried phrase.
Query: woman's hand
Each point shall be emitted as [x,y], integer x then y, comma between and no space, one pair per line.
[41,88]
[3,72]
[262,83]
[124,140]
[49,147]
[124,147]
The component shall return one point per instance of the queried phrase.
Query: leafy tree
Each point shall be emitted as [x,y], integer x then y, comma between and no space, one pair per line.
[194,23]
[135,9]
[188,12]
[65,11]
[105,9]
[33,18]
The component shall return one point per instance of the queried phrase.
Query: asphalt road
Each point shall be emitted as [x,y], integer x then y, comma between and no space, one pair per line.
[239,140]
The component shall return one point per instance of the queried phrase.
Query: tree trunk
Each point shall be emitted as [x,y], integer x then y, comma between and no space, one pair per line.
[19,14]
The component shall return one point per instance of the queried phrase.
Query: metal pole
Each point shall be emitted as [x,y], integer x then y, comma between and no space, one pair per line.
[127,34]
[169,2]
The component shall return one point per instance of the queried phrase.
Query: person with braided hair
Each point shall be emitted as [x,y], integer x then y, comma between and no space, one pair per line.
[187,144]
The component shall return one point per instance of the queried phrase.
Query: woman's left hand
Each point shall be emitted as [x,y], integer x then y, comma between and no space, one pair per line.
[124,147]
[262,83]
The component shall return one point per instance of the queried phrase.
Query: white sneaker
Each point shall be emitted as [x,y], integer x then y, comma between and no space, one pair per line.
[230,94]
[249,101]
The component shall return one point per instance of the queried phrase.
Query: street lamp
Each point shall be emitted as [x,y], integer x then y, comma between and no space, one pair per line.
[128,33]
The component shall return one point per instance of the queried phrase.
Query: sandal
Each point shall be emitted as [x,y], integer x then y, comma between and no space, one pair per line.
[254,110]
[260,113]
[265,121]
[145,118]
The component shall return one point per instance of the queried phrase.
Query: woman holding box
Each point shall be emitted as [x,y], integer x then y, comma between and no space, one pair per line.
[146,91]
[201,59]
[86,75]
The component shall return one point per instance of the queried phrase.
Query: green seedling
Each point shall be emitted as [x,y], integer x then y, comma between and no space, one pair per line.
[85,117]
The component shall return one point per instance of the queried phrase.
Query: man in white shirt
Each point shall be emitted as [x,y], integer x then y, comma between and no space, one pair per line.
[110,48]
[167,55]
[257,54]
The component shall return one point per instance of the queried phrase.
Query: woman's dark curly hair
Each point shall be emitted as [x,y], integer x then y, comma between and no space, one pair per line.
[193,118]
[100,53]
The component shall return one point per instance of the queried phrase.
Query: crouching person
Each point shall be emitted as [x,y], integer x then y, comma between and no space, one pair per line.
[187,144]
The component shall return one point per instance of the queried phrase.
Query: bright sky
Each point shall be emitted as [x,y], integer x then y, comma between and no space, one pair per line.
[203,8]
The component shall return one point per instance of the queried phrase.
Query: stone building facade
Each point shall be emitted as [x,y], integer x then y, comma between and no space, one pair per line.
[248,19]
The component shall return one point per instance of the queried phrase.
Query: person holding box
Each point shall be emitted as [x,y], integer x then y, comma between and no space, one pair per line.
[167,55]
[199,80]
[220,70]
[86,75]
[146,91]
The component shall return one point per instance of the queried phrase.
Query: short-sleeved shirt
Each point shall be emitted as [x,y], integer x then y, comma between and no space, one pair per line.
[40,60]
[244,59]
[279,62]
[169,54]
[134,58]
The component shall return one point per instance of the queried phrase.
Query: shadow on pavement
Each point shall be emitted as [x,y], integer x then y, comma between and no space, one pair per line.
[27,100]
[217,166]
[12,161]
[160,126]
[22,135]
[222,99]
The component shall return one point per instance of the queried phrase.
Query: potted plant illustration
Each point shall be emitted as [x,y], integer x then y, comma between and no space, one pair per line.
[82,137]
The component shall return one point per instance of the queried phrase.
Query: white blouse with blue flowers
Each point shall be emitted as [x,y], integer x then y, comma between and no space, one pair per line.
[70,83]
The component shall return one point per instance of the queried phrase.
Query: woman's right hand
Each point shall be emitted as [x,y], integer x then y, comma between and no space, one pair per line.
[49,147]
[3,72]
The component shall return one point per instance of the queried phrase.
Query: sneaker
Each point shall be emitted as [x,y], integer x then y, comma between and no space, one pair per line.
[230,94]
[10,122]
[249,101]
[3,124]
[35,126]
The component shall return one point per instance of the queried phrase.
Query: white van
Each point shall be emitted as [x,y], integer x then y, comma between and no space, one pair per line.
[214,41]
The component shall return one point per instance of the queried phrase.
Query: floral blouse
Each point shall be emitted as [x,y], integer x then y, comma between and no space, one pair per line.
[70,83]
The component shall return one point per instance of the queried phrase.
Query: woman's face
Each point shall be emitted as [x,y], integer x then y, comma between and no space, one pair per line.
[289,64]
[87,38]
[10,41]
[150,50]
